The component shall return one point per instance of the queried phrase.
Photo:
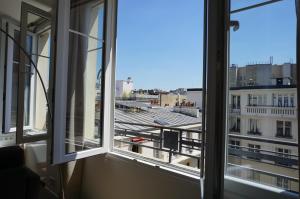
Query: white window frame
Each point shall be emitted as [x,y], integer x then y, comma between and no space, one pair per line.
[9,81]
[60,97]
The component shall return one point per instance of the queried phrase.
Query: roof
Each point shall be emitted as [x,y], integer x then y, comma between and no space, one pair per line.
[133,104]
[194,89]
[153,117]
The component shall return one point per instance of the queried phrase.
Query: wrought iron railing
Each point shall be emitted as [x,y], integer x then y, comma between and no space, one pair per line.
[169,140]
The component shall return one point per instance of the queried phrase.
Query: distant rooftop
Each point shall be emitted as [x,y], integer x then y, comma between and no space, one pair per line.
[153,117]
[262,87]
[194,89]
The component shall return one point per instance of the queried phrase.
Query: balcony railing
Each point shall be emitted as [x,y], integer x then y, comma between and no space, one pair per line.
[254,133]
[235,130]
[287,136]
[234,109]
[177,147]
[271,111]
[263,155]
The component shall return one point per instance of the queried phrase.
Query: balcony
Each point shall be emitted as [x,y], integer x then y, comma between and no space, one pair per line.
[256,132]
[234,109]
[178,147]
[235,130]
[269,111]
[280,135]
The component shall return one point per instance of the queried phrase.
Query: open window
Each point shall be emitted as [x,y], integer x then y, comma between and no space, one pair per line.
[26,51]
[33,75]
[84,68]
[262,71]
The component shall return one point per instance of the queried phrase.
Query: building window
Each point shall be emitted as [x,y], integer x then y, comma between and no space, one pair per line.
[254,151]
[285,154]
[253,176]
[274,99]
[236,101]
[257,100]
[279,81]
[235,124]
[292,100]
[235,144]
[284,129]
[279,101]
[135,148]
[234,147]
[285,101]
[253,127]
[282,182]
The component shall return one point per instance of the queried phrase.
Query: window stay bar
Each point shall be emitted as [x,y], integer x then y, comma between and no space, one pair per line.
[254,6]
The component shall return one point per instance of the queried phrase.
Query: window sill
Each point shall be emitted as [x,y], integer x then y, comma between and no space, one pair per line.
[166,167]
[247,189]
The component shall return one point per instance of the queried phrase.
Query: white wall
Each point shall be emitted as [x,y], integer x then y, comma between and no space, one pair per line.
[195,97]
[111,177]
[123,88]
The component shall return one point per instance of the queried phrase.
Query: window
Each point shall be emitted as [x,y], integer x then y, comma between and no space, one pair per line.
[282,183]
[81,130]
[233,101]
[288,129]
[234,144]
[292,100]
[169,130]
[36,41]
[235,124]
[253,175]
[135,148]
[279,128]
[286,101]
[84,100]
[234,147]
[274,97]
[284,129]
[253,127]
[285,154]
[257,100]
[255,150]
[279,100]
[236,101]
[28,77]
[11,90]
[279,81]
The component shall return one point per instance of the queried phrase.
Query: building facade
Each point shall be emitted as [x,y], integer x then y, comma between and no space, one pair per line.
[263,125]
[124,88]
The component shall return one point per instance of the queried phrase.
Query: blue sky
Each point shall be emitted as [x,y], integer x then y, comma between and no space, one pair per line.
[159,42]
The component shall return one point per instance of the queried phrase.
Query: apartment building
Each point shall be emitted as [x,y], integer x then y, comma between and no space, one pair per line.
[124,88]
[263,120]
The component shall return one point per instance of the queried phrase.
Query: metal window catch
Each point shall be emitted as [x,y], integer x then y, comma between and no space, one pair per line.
[235,25]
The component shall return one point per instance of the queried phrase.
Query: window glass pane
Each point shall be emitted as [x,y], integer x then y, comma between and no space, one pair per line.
[263,54]
[159,81]
[28,76]
[40,108]
[84,100]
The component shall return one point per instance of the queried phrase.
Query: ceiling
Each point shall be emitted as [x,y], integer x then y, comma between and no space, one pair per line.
[12,8]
